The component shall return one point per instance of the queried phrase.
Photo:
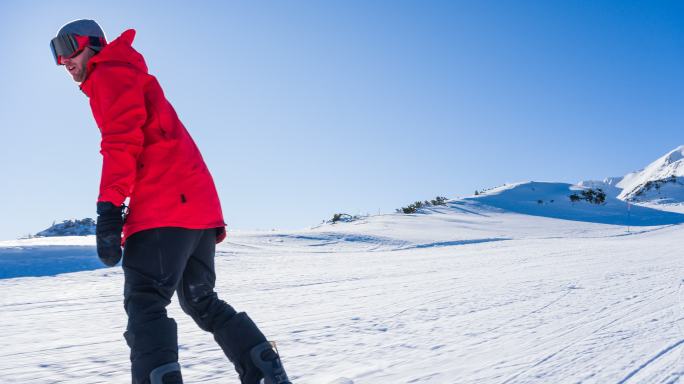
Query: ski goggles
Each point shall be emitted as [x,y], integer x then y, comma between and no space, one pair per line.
[70,45]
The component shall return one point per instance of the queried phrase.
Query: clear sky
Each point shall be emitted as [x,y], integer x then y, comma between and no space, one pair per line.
[307,108]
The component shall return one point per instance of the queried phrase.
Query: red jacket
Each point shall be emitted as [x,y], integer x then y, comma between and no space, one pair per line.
[147,154]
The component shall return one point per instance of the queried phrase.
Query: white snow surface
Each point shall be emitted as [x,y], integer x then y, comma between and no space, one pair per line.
[471,292]
[669,165]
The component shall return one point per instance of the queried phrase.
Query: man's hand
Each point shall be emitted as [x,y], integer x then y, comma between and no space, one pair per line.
[108,232]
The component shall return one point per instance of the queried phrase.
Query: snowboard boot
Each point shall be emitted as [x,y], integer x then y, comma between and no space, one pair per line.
[255,360]
[266,359]
[166,374]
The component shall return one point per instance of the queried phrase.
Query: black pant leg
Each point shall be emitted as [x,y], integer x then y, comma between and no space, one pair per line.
[235,333]
[196,289]
[153,264]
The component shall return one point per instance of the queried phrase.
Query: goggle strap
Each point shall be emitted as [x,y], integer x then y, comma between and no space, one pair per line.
[95,41]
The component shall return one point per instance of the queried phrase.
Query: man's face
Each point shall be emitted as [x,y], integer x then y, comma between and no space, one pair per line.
[76,66]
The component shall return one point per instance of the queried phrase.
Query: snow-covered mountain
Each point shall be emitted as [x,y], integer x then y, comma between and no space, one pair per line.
[555,200]
[608,185]
[659,185]
[661,181]
[72,227]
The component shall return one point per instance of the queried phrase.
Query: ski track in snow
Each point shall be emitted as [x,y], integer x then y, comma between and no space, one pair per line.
[471,296]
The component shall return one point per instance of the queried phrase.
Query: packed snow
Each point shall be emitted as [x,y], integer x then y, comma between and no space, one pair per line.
[471,292]
[519,284]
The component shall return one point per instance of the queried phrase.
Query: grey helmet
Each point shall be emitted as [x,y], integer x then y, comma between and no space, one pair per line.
[73,37]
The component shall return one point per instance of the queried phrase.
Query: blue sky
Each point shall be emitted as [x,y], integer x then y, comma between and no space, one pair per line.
[307,108]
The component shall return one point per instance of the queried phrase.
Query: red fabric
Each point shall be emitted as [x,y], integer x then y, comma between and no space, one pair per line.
[147,153]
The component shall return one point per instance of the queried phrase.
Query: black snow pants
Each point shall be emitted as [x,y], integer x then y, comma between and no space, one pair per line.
[158,262]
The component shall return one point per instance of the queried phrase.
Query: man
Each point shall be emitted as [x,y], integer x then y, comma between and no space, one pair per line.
[173,221]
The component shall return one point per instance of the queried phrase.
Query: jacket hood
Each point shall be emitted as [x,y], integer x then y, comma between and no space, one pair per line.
[119,50]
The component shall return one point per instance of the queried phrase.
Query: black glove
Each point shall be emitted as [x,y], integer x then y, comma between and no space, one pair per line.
[108,232]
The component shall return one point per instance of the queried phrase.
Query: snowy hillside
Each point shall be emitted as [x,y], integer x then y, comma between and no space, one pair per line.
[72,227]
[661,180]
[660,185]
[472,292]
[553,200]
[609,185]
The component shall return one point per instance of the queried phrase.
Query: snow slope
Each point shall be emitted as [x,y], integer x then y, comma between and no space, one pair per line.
[608,185]
[71,227]
[552,200]
[465,293]
[634,185]
[660,185]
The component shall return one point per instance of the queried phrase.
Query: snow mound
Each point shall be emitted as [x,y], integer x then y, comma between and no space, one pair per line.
[661,180]
[71,227]
[553,200]
[608,185]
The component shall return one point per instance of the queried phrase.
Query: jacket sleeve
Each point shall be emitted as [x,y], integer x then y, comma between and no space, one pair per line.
[118,103]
